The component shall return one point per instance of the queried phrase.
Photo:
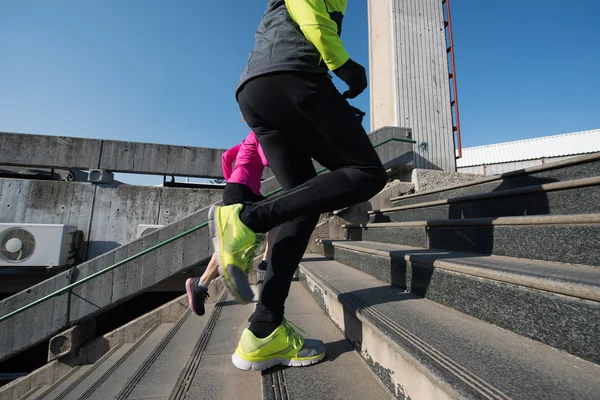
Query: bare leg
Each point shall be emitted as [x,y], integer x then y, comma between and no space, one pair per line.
[211,271]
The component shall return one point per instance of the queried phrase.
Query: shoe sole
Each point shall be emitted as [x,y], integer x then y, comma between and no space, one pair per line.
[244,365]
[188,289]
[212,227]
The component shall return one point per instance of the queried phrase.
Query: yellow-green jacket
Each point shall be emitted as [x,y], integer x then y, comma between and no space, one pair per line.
[298,35]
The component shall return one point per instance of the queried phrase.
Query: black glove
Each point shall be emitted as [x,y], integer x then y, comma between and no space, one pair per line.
[355,76]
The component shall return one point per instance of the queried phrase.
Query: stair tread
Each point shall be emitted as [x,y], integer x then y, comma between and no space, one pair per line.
[513,220]
[57,389]
[341,375]
[546,187]
[161,373]
[509,175]
[568,279]
[515,366]
[210,372]
[116,380]
[35,392]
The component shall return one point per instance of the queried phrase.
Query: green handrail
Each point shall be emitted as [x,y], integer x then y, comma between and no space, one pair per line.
[150,249]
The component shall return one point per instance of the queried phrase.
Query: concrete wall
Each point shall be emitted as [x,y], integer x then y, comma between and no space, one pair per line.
[409,76]
[69,153]
[116,156]
[108,215]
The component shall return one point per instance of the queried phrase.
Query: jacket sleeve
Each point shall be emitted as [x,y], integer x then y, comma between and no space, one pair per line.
[312,16]
[227,161]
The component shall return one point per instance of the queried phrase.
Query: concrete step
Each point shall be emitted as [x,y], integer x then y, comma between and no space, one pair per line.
[341,375]
[208,372]
[422,350]
[64,386]
[99,379]
[523,296]
[100,371]
[571,239]
[575,168]
[157,375]
[35,392]
[561,198]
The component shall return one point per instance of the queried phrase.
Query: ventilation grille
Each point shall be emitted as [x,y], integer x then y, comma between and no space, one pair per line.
[16,245]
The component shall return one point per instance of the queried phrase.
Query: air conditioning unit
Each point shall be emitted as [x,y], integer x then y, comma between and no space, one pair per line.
[143,229]
[39,245]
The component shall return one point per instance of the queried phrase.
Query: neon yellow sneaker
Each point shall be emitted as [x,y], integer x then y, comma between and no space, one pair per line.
[235,245]
[284,346]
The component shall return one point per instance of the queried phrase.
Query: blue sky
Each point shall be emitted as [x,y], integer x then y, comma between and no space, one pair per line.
[166,71]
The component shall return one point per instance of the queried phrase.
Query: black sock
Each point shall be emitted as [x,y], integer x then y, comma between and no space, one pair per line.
[262,329]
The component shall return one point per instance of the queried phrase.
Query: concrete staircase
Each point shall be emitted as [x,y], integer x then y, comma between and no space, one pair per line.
[191,359]
[487,290]
[179,247]
[497,301]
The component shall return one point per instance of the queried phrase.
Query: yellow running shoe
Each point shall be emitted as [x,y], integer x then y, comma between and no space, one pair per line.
[235,245]
[284,346]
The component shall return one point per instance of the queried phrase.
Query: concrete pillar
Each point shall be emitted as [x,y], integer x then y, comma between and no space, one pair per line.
[409,76]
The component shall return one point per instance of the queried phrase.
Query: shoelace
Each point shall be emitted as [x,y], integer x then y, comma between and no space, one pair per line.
[250,252]
[292,335]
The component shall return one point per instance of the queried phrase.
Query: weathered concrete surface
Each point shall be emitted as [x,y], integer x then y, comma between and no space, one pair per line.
[118,211]
[108,215]
[46,202]
[78,153]
[160,159]
[49,151]
[427,179]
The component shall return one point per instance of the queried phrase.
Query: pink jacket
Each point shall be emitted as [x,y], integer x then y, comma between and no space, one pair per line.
[250,161]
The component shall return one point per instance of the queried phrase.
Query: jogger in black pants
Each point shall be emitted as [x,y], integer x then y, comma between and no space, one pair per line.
[297,115]
[315,122]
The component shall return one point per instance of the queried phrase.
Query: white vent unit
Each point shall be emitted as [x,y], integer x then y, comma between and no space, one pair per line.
[38,245]
[143,229]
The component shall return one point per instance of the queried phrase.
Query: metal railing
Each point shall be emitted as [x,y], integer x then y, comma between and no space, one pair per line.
[149,250]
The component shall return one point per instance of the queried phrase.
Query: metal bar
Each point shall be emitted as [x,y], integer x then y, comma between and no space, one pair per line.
[149,250]
[453,77]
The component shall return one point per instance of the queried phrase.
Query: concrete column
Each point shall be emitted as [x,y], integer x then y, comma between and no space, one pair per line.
[409,76]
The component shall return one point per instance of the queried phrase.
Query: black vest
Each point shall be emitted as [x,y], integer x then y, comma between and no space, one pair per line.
[281,46]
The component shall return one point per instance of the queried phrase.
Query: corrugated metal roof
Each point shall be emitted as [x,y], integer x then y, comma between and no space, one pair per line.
[531,149]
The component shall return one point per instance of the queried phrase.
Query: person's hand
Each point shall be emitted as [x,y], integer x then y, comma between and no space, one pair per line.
[355,77]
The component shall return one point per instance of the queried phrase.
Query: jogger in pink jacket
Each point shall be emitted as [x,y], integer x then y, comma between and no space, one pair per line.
[243,167]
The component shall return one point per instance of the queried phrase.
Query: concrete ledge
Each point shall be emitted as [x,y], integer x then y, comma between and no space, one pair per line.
[44,151]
